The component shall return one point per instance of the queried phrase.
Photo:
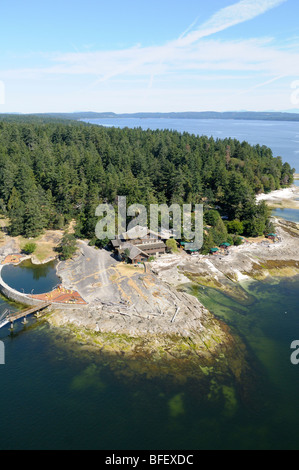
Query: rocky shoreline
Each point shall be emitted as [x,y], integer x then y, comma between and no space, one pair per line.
[144,321]
[246,263]
[214,350]
[148,326]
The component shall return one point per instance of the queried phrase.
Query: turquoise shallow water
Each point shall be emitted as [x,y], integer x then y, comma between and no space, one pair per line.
[288,214]
[57,396]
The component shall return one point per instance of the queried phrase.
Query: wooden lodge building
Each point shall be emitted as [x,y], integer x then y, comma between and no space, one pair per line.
[139,244]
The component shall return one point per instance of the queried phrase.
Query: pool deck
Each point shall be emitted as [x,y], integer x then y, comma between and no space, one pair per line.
[14,259]
[59,295]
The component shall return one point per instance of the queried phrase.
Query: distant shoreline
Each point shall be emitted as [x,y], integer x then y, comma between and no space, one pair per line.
[247,116]
[238,115]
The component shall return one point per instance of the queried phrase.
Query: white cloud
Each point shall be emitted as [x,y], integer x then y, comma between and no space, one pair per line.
[247,55]
[237,13]
[110,63]
[173,65]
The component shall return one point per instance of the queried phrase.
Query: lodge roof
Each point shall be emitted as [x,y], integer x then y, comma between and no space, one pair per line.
[151,246]
[135,251]
[115,243]
[139,232]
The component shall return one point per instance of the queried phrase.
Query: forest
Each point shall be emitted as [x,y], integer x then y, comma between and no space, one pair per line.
[52,172]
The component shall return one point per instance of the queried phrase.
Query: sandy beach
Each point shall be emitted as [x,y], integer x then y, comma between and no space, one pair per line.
[282,198]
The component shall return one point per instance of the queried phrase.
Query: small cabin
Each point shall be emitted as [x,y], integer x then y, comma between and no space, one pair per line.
[214,251]
[272,236]
[225,246]
[192,252]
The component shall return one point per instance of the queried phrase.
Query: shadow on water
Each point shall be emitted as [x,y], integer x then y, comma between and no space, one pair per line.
[31,278]
[70,397]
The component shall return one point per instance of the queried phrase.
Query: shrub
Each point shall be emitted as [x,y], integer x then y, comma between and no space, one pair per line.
[212,217]
[235,226]
[67,247]
[238,241]
[171,245]
[29,248]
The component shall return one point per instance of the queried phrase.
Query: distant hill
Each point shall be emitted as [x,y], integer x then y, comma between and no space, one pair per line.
[40,118]
[235,115]
[246,115]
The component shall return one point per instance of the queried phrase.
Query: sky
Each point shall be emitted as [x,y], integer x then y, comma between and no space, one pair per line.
[157,56]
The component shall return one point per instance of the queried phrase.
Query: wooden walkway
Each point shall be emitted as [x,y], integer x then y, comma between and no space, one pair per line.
[23,314]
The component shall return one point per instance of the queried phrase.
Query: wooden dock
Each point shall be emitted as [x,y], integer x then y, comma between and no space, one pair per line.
[11,318]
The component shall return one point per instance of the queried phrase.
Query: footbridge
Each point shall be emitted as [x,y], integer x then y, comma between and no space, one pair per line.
[8,317]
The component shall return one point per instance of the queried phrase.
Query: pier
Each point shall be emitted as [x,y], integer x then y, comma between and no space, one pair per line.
[12,317]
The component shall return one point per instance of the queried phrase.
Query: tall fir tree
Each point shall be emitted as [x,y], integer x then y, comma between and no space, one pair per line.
[16,212]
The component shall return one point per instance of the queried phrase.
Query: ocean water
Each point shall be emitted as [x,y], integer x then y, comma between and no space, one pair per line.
[281,137]
[287,214]
[56,394]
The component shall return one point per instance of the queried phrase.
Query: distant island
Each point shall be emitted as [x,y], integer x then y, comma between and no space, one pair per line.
[233,115]
[252,116]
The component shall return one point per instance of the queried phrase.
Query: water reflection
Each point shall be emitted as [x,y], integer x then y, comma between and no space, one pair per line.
[29,278]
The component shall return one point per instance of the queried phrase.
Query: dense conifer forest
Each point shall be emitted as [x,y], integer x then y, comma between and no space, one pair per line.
[52,172]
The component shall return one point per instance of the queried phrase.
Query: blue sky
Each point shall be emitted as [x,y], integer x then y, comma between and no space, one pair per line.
[64,56]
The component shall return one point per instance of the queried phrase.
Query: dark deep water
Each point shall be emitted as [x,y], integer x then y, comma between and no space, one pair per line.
[54,395]
[30,278]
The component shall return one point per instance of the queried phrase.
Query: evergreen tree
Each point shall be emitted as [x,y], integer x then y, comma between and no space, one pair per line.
[16,211]
[67,247]
[49,169]
[219,232]
[34,221]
